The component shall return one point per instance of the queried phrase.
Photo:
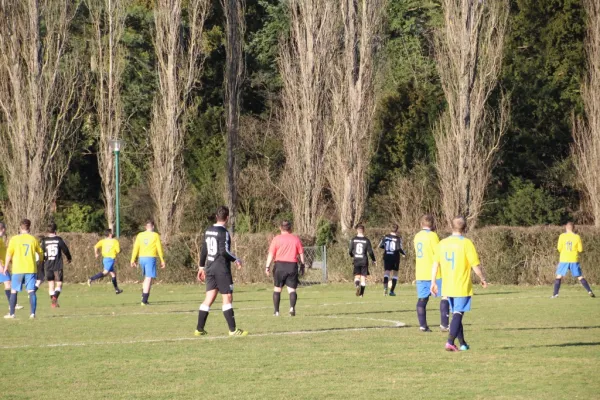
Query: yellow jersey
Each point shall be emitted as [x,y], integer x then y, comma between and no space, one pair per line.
[3,249]
[147,244]
[23,249]
[110,247]
[426,243]
[456,256]
[569,246]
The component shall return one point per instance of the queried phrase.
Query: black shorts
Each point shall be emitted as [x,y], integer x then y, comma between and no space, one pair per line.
[54,275]
[361,270]
[391,265]
[222,282]
[41,274]
[286,274]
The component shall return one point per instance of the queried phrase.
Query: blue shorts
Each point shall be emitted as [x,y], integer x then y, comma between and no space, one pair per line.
[19,279]
[148,266]
[424,288]
[109,264]
[5,277]
[563,268]
[460,304]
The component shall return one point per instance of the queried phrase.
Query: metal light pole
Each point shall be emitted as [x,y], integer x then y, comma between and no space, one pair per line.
[116,145]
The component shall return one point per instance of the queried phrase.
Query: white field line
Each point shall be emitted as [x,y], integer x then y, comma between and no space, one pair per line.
[394,324]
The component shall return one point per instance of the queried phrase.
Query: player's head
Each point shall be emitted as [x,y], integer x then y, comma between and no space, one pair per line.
[570,226]
[51,228]
[286,226]
[360,228]
[108,233]
[2,228]
[25,225]
[427,221]
[394,228]
[222,214]
[149,224]
[459,224]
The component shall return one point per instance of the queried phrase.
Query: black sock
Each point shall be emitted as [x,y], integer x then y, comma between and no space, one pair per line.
[356,283]
[13,303]
[7,293]
[455,327]
[229,317]
[422,312]
[444,313]
[114,282]
[99,275]
[386,279]
[461,335]
[556,286]
[145,297]
[394,281]
[362,289]
[276,300]
[56,294]
[585,284]
[293,299]
[202,317]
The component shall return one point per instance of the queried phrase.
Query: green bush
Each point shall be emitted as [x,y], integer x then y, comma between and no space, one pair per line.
[528,206]
[80,218]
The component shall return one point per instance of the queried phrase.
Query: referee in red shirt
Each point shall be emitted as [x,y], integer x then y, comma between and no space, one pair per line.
[284,250]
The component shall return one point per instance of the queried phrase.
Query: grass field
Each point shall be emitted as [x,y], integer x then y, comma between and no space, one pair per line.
[102,346]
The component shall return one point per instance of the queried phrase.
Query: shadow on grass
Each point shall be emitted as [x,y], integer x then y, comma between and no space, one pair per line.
[544,328]
[372,312]
[573,344]
[492,293]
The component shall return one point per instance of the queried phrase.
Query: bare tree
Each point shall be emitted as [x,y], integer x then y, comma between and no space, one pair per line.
[42,95]
[108,21]
[469,50]
[586,130]
[305,65]
[180,59]
[234,69]
[353,107]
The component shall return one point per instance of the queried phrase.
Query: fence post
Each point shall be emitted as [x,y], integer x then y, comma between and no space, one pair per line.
[324,264]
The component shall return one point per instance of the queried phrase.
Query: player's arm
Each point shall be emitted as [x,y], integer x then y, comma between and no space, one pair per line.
[560,244]
[370,250]
[229,256]
[203,255]
[65,249]
[382,243]
[268,263]
[159,250]
[41,252]
[117,248]
[473,259]
[434,271]
[351,248]
[401,250]
[135,251]
[96,248]
[9,254]
[479,272]
[579,245]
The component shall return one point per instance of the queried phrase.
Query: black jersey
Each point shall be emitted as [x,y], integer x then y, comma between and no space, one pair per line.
[216,255]
[392,244]
[360,249]
[54,247]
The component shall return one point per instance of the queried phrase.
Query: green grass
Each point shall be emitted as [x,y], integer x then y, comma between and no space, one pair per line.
[98,345]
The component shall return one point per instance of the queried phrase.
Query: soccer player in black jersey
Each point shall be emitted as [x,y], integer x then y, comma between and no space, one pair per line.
[392,246]
[215,269]
[54,247]
[360,249]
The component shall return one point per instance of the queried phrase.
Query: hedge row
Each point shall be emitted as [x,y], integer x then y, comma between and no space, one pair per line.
[520,256]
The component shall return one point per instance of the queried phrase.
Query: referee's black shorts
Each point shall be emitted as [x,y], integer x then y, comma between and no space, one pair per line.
[286,274]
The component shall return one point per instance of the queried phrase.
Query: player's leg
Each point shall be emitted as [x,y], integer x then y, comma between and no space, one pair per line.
[98,276]
[15,287]
[146,286]
[363,283]
[51,291]
[386,280]
[113,278]
[444,308]
[148,266]
[454,330]
[459,305]
[41,274]
[561,270]
[357,271]
[209,299]
[423,289]
[7,288]
[58,281]
[225,287]
[30,280]
[291,281]
[576,271]
[277,286]
[394,282]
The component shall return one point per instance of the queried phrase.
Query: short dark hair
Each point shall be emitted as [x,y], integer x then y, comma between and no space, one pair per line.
[360,227]
[394,228]
[25,224]
[427,220]
[459,224]
[570,224]
[222,213]
[108,232]
[51,227]
[149,221]
[286,225]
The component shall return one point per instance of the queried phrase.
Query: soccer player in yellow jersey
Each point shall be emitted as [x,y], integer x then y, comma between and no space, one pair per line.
[456,256]
[569,247]
[5,276]
[426,242]
[21,252]
[148,247]
[109,246]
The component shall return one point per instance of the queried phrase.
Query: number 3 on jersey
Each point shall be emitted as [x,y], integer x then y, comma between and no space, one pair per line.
[211,246]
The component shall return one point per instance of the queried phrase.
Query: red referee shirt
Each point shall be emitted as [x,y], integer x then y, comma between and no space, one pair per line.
[286,248]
